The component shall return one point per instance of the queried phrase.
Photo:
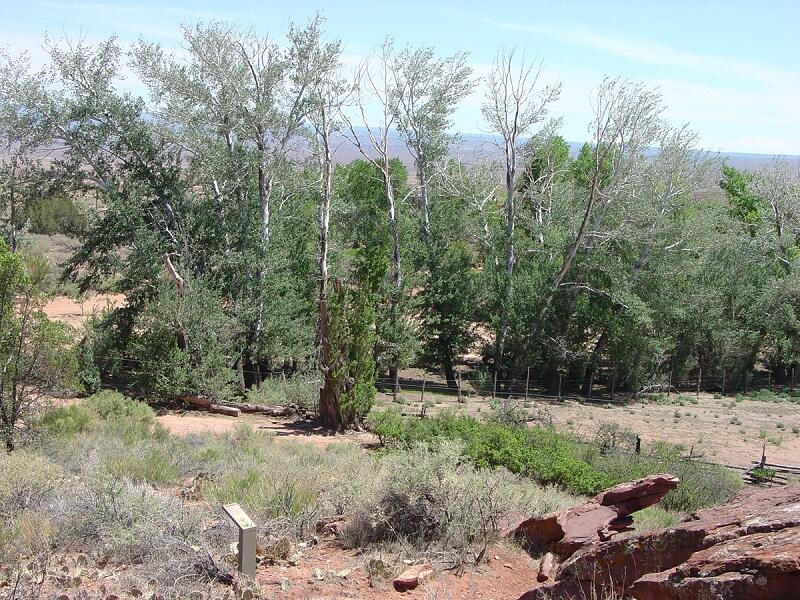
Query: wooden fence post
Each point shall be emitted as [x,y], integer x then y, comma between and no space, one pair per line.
[527,382]
[669,385]
[792,378]
[699,379]
[422,396]
[613,384]
[591,383]
[494,385]
[769,379]
[559,386]
[458,386]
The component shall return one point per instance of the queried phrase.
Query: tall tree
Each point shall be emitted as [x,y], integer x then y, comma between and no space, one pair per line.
[374,83]
[515,103]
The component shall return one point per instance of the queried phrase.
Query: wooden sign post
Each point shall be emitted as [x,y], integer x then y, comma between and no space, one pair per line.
[248,533]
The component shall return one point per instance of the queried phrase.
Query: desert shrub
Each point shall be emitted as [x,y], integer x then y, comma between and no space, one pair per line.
[126,522]
[702,484]
[67,420]
[429,497]
[88,370]
[386,424]
[300,389]
[509,411]
[654,517]
[611,437]
[27,481]
[763,474]
[285,487]
[49,215]
[144,463]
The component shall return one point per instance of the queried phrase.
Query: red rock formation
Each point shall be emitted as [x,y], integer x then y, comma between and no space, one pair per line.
[746,549]
[412,577]
[597,520]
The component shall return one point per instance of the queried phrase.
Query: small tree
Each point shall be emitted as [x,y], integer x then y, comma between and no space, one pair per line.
[33,350]
[351,374]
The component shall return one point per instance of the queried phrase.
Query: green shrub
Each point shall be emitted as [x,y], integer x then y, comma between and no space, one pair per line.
[149,465]
[386,424]
[68,420]
[550,457]
[54,214]
[301,389]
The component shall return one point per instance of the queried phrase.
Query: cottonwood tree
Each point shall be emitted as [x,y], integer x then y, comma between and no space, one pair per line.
[328,94]
[253,94]
[516,101]
[374,85]
[627,122]
[24,176]
[429,90]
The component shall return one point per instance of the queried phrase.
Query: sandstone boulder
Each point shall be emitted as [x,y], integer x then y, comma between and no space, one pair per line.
[597,520]
[412,577]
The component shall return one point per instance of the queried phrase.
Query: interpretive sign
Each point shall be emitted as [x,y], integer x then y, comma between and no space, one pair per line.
[248,534]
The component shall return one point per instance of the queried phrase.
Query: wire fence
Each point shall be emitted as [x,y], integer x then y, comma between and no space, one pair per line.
[600,388]
[587,388]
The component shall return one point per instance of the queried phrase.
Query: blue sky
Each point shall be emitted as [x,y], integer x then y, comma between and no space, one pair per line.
[729,69]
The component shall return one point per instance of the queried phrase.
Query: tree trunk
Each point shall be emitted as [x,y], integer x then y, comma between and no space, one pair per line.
[449,372]
[265,184]
[13,207]
[397,273]
[329,412]
[572,250]
[510,258]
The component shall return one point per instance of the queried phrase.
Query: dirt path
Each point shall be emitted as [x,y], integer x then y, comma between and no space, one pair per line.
[186,423]
[67,310]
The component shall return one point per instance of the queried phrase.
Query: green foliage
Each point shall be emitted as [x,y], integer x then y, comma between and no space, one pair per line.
[745,205]
[26,482]
[123,418]
[388,425]
[36,353]
[52,215]
[67,420]
[449,297]
[550,457]
[351,325]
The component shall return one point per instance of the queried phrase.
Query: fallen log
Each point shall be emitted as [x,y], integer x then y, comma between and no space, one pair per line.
[224,410]
[234,408]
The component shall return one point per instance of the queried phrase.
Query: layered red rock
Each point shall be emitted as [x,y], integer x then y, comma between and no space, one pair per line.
[747,548]
[600,518]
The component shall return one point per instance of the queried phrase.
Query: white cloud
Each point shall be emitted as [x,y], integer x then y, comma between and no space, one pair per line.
[655,53]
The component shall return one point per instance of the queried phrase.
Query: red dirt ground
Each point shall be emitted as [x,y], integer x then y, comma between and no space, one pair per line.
[508,573]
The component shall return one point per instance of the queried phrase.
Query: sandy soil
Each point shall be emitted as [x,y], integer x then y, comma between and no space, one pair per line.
[509,573]
[66,310]
[720,430]
[188,422]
